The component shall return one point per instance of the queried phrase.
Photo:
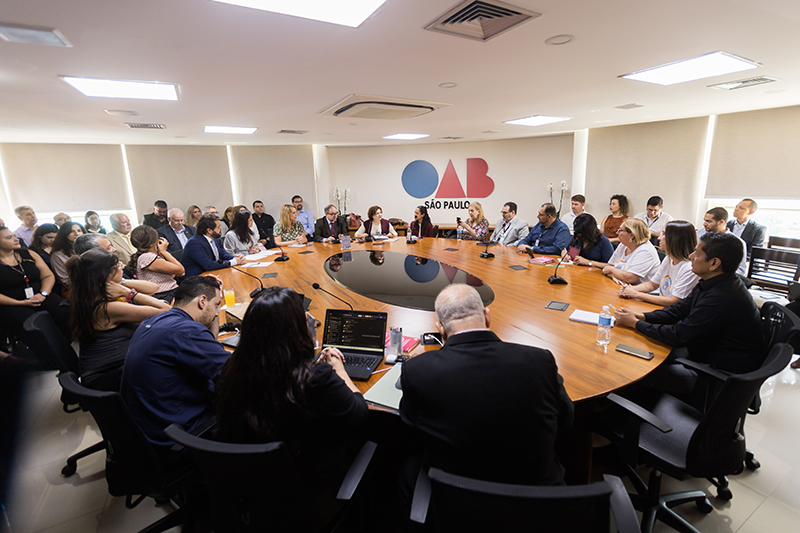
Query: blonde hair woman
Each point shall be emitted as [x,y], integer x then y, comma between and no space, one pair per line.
[193,214]
[635,260]
[288,230]
[476,227]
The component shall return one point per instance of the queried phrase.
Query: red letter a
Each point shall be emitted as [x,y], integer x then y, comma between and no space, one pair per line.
[450,186]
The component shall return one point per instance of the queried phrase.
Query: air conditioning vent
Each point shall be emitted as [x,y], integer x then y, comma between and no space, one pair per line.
[293,132]
[741,84]
[628,106]
[481,20]
[140,126]
[380,107]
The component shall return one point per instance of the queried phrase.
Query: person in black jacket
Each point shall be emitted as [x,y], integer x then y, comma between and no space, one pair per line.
[330,227]
[487,409]
[158,218]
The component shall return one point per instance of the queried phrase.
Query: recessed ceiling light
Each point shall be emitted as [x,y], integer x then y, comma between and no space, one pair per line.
[351,13]
[448,85]
[558,40]
[406,136]
[536,120]
[17,33]
[230,129]
[121,113]
[696,68]
[142,90]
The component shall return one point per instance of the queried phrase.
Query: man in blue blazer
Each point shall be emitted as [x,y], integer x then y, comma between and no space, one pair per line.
[203,251]
[176,233]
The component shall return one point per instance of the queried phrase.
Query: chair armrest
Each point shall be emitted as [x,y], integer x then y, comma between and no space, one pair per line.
[422,497]
[640,412]
[703,369]
[621,506]
[356,471]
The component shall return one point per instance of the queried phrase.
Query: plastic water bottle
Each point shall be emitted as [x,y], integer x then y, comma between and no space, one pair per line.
[604,327]
[459,231]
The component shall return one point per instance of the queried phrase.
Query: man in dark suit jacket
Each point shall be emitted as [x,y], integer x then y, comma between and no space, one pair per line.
[744,227]
[176,233]
[203,251]
[158,218]
[330,227]
[487,409]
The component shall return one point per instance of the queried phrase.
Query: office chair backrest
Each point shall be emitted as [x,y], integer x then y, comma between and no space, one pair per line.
[783,242]
[465,504]
[253,487]
[717,446]
[773,268]
[131,463]
[49,344]
[780,325]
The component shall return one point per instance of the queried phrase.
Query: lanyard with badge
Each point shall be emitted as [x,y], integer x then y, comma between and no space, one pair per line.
[19,268]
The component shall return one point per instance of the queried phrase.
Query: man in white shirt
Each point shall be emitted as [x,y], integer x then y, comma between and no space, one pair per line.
[655,217]
[714,222]
[510,229]
[304,216]
[578,201]
[27,216]
[744,227]
[120,238]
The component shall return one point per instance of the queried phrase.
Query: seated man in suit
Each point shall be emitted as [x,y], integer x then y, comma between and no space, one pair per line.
[203,251]
[549,236]
[158,217]
[176,233]
[511,228]
[714,222]
[330,227]
[744,227]
[718,323]
[120,236]
[487,409]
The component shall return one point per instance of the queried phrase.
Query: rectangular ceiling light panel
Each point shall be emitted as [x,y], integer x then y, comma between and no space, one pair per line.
[406,136]
[140,90]
[17,33]
[345,13]
[230,129]
[696,68]
[537,120]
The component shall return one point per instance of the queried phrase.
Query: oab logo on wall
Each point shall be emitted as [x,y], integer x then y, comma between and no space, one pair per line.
[421,180]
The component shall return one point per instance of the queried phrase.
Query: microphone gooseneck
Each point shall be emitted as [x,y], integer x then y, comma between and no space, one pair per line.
[256,291]
[318,288]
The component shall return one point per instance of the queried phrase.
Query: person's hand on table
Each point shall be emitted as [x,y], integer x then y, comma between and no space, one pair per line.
[582,261]
[332,356]
[254,249]
[626,317]
[239,259]
[627,291]
[523,248]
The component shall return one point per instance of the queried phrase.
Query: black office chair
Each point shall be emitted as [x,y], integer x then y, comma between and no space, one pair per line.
[681,441]
[447,502]
[49,344]
[436,231]
[784,242]
[132,467]
[256,487]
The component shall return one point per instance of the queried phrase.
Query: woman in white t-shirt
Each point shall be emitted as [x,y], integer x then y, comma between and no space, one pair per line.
[635,260]
[674,279]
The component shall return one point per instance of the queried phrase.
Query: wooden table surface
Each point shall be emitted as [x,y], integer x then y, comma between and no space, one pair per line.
[518,311]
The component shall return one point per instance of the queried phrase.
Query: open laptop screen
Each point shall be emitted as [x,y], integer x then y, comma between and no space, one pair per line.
[359,330]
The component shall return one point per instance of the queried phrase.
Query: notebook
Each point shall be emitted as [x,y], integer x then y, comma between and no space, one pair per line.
[359,335]
[385,392]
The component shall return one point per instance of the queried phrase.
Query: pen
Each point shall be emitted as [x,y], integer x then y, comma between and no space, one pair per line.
[384,370]
[612,307]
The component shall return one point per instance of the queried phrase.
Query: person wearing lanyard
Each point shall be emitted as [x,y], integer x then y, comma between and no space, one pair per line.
[25,285]
[510,229]
[549,236]
[655,217]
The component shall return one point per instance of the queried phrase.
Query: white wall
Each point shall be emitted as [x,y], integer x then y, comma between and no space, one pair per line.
[520,168]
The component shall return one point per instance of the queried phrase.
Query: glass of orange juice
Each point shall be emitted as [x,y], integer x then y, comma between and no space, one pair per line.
[230,298]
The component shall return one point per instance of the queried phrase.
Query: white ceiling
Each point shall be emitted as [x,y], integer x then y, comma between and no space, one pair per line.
[241,67]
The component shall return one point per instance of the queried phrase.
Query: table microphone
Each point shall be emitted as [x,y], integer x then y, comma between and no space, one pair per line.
[555,279]
[257,290]
[283,257]
[317,287]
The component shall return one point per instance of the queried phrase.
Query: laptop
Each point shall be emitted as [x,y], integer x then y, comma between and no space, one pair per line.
[360,336]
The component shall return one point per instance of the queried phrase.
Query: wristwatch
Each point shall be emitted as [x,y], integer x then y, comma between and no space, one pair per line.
[43,293]
[591,264]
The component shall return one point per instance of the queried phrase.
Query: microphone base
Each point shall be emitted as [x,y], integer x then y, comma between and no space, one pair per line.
[281,258]
[556,280]
[487,255]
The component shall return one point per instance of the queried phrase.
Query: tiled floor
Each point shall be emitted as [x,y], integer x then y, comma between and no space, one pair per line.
[764,501]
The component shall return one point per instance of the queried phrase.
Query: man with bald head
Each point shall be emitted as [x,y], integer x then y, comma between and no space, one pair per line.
[176,233]
[487,409]
[120,237]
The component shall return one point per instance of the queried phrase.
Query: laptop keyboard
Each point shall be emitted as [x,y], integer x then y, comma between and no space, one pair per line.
[359,360]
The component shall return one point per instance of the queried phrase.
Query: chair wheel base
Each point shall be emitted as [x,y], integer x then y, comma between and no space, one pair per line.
[752,464]
[69,469]
[724,494]
[704,505]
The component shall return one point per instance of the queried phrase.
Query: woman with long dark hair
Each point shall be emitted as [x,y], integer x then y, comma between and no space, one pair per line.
[271,389]
[421,226]
[42,241]
[674,279]
[104,315]
[152,262]
[93,224]
[593,245]
[242,238]
[63,250]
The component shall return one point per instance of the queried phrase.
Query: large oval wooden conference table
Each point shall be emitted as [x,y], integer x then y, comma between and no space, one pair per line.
[518,312]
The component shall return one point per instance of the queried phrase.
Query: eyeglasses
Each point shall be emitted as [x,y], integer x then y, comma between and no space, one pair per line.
[504,212]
